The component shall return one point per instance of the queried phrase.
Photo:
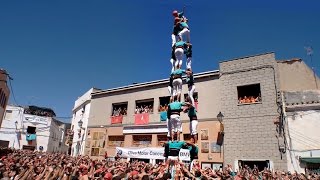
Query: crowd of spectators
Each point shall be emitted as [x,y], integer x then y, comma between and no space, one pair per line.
[120,111]
[29,165]
[249,99]
[143,109]
[163,108]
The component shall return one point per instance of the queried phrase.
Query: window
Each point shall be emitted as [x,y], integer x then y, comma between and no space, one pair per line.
[31,130]
[4,144]
[86,152]
[164,102]
[141,140]
[88,143]
[252,163]
[214,166]
[144,106]
[8,114]
[162,138]
[97,143]
[94,151]
[98,140]
[119,109]
[116,141]
[195,97]
[249,94]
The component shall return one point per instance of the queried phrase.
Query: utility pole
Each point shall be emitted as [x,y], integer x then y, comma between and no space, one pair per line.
[310,53]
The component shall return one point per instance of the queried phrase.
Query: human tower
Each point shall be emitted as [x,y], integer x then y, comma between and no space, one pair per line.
[181,47]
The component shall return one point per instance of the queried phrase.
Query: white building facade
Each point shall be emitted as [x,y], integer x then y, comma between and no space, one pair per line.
[26,131]
[302,131]
[81,113]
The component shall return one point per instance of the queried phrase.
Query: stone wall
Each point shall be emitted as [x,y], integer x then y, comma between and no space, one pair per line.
[250,133]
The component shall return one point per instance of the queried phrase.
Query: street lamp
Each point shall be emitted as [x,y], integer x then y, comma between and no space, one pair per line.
[220,117]
[16,123]
[80,123]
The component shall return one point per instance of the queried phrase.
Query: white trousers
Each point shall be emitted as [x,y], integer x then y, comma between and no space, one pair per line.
[185,32]
[170,90]
[173,64]
[174,39]
[188,64]
[169,128]
[179,56]
[175,123]
[193,127]
[177,86]
[190,94]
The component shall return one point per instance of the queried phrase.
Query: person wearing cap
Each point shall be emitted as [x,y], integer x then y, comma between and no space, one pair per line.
[191,86]
[178,17]
[175,14]
[108,176]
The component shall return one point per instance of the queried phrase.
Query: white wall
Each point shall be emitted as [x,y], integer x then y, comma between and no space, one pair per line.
[303,137]
[81,111]
[49,134]
[8,128]
[42,130]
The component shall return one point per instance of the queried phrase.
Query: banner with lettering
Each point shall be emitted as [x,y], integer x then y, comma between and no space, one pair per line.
[149,153]
[35,119]
[141,119]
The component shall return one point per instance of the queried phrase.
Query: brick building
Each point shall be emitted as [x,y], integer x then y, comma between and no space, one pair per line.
[246,90]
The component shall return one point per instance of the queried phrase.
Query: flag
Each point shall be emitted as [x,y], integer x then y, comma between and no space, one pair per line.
[116,119]
[142,118]
[309,50]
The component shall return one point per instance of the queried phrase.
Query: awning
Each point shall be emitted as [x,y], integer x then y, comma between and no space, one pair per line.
[310,159]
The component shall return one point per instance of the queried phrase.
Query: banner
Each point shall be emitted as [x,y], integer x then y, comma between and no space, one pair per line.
[36,119]
[149,153]
[140,119]
[116,119]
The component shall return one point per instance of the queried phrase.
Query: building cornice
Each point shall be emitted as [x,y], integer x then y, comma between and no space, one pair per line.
[151,83]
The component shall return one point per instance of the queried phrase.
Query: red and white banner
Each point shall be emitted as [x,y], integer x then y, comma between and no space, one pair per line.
[116,119]
[142,118]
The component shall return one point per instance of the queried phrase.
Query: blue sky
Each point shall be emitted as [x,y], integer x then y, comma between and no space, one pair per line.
[57,50]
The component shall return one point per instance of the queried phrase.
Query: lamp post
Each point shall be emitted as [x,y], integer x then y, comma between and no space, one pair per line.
[79,144]
[220,119]
[16,124]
